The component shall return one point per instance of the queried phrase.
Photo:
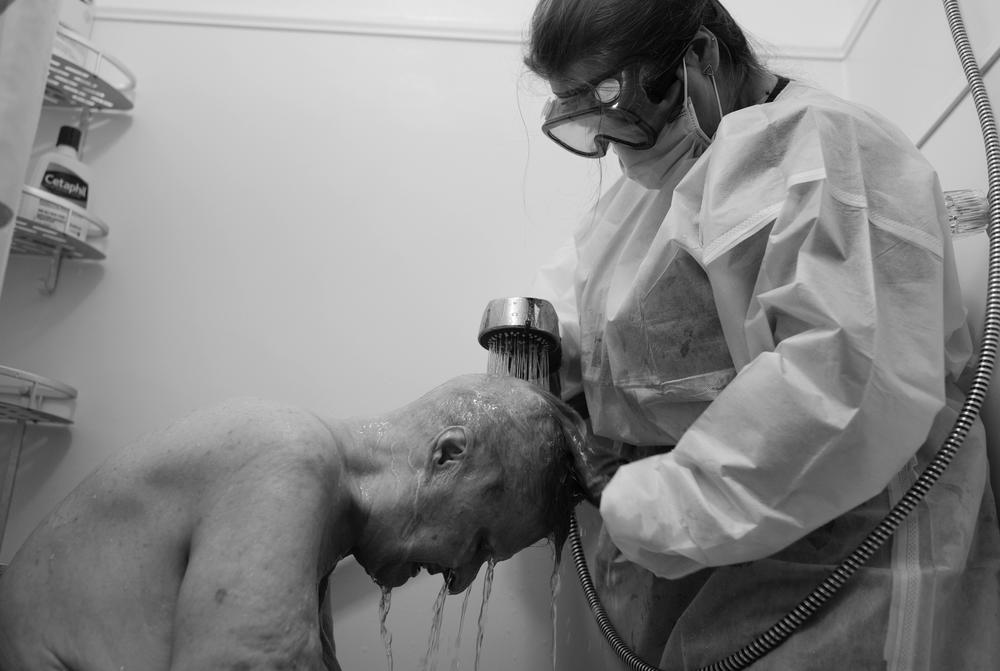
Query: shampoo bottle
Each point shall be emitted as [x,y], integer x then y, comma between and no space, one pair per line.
[61,173]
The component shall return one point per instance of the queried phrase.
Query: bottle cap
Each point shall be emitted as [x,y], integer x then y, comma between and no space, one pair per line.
[70,136]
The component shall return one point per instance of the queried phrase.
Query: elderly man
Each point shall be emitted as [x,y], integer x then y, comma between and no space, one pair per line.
[207,545]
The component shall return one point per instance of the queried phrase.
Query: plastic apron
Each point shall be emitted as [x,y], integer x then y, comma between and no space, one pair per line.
[817,232]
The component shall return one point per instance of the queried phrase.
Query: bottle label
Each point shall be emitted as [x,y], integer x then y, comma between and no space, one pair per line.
[53,215]
[66,185]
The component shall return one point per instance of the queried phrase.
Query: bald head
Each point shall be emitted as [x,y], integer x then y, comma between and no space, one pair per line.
[515,426]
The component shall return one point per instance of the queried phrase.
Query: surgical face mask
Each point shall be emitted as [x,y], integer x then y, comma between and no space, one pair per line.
[618,109]
[680,143]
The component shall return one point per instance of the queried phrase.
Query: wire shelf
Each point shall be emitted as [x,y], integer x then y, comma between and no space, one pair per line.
[48,224]
[26,397]
[81,75]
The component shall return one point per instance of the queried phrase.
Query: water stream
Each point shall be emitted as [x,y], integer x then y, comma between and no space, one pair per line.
[434,641]
[383,614]
[461,623]
[487,586]
[555,583]
[518,356]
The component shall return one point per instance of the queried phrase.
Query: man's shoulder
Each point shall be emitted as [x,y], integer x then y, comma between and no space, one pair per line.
[238,445]
[250,408]
[274,466]
[252,425]
[282,439]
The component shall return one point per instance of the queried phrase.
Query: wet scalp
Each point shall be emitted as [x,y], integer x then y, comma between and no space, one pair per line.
[527,432]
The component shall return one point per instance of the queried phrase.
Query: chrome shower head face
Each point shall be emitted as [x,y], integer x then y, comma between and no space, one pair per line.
[522,337]
[535,318]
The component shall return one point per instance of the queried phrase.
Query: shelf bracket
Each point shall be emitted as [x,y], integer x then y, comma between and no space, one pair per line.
[9,476]
[83,123]
[55,267]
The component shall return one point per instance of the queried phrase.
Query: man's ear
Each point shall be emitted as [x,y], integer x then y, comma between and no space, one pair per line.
[451,444]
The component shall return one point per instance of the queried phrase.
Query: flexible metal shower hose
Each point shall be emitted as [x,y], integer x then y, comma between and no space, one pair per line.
[785,627]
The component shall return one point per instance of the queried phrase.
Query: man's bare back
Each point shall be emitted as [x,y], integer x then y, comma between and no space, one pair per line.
[202,517]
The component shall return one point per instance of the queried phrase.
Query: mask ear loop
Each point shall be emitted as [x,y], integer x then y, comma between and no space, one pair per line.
[684,70]
[710,73]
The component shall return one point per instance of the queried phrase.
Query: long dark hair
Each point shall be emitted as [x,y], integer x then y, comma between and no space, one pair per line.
[604,35]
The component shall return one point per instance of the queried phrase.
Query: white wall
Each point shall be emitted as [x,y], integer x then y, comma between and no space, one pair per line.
[317,216]
[906,66]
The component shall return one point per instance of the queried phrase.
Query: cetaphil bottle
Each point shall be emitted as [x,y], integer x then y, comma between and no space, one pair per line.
[60,172]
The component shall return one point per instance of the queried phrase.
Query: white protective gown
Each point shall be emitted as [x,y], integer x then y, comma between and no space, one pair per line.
[789,317]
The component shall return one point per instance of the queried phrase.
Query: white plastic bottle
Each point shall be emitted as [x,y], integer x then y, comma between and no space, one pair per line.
[61,173]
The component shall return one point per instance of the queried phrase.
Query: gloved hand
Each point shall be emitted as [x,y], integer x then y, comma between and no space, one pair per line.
[596,460]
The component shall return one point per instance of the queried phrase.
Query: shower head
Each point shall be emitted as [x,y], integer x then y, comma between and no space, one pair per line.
[522,336]
[528,318]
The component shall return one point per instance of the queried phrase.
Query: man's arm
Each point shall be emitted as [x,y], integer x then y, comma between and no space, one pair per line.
[250,594]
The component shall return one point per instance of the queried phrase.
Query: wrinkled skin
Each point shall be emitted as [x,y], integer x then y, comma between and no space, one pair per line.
[467,508]
[156,560]
[454,535]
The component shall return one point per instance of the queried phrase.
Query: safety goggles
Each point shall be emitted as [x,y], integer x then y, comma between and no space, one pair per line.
[617,109]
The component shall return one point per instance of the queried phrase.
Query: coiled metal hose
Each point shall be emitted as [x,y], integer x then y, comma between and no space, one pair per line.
[808,607]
